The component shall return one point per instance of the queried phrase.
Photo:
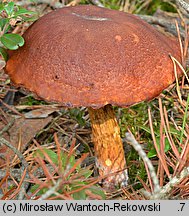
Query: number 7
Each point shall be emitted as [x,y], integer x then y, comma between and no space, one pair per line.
[182,206]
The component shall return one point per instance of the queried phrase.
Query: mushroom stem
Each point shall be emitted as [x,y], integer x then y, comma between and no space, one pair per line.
[108,146]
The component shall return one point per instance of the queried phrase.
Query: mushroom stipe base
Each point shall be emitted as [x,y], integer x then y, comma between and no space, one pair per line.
[108,146]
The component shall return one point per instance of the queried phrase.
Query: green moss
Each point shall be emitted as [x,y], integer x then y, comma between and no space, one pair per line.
[155,4]
[32,101]
[78,115]
[112,4]
[136,169]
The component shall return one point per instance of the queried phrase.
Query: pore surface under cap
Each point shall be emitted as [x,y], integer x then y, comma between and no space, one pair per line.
[91,56]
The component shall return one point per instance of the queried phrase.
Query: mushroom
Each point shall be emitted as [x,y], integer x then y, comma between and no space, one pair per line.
[95,57]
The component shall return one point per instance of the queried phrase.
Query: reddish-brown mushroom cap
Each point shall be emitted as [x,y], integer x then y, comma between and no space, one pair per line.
[91,56]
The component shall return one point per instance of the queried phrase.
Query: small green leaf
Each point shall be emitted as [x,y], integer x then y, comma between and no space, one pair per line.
[33,1]
[34,188]
[4,53]
[3,22]
[84,173]
[153,153]
[12,41]
[175,132]
[80,195]
[147,129]
[98,191]
[64,157]
[1,7]
[67,162]
[52,155]
[78,115]
[23,11]
[87,173]
[167,145]
[9,8]
[72,160]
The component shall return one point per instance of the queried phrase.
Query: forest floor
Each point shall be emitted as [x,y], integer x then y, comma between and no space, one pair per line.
[53,155]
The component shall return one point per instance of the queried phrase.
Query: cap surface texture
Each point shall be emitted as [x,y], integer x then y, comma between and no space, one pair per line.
[91,56]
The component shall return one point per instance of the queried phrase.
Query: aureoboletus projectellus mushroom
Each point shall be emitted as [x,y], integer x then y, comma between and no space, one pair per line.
[95,57]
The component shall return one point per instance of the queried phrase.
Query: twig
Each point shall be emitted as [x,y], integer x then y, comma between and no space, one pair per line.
[155,142]
[162,140]
[97,3]
[7,127]
[52,190]
[183,4]
[169,26]
[24,167]
[163,193]
[180,42]
[54,4]
[20,156]
[180,66]
[10,108]
[16,172]
[130,138]
[73,3]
